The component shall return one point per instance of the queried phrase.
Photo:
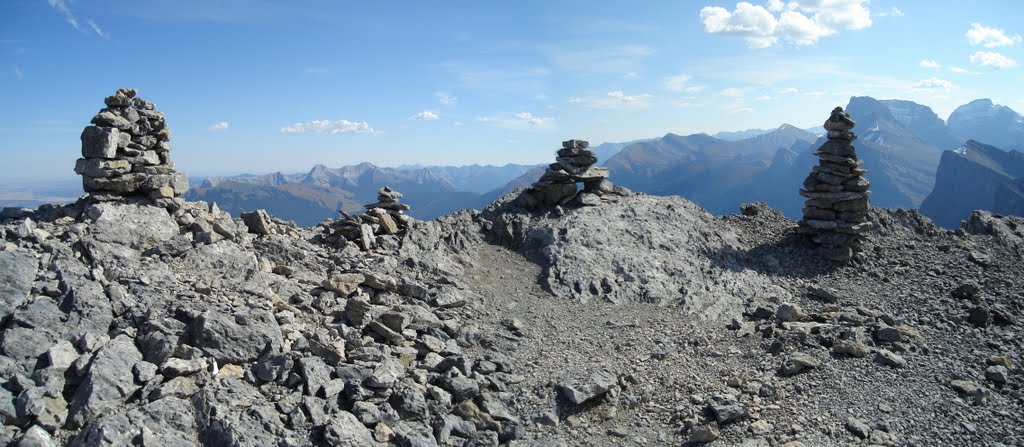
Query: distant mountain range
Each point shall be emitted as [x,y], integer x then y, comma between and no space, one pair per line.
[318,194]
[751,133]
[900,142]
[914,159]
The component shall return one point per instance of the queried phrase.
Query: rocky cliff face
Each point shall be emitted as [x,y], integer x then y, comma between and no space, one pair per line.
[976,176]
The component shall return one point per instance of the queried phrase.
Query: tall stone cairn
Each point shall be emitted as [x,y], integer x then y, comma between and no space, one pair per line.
[835,212]
[558,186]
[126,154]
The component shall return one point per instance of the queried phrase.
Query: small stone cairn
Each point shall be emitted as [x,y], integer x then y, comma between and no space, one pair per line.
[835,212]
[126,154]
[385,217]
[558,186]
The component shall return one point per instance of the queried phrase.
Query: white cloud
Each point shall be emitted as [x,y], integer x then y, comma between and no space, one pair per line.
[457,124]
[614,99]
[992,59]
[18,74]
[816,94]
[218,126]
[425,115]
[331,127]
[801,22]
[744,110]
[763,98]
[990,37]
[891,12]
[932,85]
[445,98]
[695,88]
[677,83]
[928,63]
[732,92]
[522,121]
[788,90]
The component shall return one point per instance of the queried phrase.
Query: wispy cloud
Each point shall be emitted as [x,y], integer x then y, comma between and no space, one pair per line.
[677,83]
[992,59]
[95,28]
[523,121]
[613,100]
[445,98]
[61,7]
[732,92]
[331,127]
[961,70]
[614,60]
[990,37]
[789,90]
[891,12]
[502,78]
[932,85]
[18,74]
[797,22]
[218,126]
[928,63]
[63,10]
[425,115]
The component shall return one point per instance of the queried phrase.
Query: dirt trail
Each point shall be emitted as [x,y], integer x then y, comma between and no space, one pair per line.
[564,340]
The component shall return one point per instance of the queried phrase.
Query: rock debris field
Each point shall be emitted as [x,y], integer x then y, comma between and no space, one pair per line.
[641,321]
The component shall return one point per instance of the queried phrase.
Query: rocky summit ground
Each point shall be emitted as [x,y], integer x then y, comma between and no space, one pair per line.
[641,321]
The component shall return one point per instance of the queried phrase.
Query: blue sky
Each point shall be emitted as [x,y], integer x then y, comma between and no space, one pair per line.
[260,86]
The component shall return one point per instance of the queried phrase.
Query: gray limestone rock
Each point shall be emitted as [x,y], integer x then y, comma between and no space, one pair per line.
[108,383]
[258,222]
[595,385]
[237,338]
[386,373]
[17,273]
[98,142]
[345,430]
[726,408]
[138,227]
[889,358]
[798,362]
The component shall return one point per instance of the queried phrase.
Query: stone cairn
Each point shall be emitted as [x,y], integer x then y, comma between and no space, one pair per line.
[385,217]
[126,154]
[558,186]
[835,212]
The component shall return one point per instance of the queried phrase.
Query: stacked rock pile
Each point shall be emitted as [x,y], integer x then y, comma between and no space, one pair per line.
[126,154]
[835,213]
[558,185]
[385,217]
